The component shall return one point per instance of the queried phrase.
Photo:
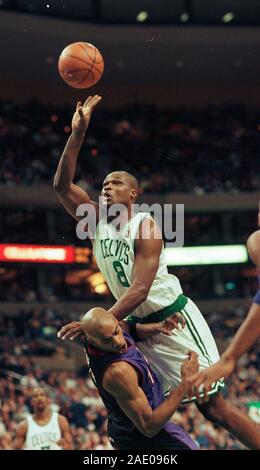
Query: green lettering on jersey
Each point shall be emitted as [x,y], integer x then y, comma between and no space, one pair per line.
[121,276]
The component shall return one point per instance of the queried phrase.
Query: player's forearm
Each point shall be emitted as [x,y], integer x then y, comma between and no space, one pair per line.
[128,302]
[247,334]
[67,165]
[161,415]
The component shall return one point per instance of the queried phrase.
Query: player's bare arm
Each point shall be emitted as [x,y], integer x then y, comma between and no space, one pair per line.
[69,193]
[133,402]
[247,334]
[73,330]
[20,435]
[148,247]
[66,439]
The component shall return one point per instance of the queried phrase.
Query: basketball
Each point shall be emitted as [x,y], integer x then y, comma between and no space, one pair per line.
[81,65]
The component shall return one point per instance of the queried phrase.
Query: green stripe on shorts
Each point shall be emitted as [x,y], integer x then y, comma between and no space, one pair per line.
[197,338]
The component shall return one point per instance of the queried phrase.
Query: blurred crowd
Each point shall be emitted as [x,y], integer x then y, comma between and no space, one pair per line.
[192,151]
[31,335]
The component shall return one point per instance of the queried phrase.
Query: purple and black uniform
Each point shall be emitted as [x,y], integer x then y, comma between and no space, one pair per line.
[122,432]
[256,299]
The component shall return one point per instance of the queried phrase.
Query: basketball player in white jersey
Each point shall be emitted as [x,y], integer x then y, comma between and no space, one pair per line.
[45,429]
[132,262]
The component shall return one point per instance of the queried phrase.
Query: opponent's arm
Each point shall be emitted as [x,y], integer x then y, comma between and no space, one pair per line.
[20,435]
[247,334]
[148,247]
[133,402]
[69,193]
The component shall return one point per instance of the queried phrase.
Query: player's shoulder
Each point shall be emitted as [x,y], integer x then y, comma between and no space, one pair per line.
[149,229]
[115,376]
[23,426]
[62,420]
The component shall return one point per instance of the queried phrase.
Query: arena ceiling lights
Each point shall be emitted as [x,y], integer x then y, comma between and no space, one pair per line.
[160,12]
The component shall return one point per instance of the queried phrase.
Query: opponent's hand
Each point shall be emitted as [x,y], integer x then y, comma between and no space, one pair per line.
[147,330]
[82,115]
[175,322]
[71,331]
[201,382]
[189,367]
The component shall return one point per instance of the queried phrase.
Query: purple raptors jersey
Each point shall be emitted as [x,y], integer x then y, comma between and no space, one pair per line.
[98,363]
[122,432]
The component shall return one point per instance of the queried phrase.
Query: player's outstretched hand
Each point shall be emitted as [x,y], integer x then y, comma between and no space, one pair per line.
[70,331]
[82,115]
[201,382]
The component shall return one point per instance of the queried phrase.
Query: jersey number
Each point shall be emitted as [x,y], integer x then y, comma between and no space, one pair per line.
[120,273]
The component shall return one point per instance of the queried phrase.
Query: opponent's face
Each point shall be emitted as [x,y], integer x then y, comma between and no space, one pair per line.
[117,190]
[39,399]
[110,338]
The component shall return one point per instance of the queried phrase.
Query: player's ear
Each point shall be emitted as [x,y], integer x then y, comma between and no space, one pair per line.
[133,193]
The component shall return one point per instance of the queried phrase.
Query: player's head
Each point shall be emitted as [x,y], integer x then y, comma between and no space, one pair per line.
[39,399]
[104,331]
[120,187]
[253,247]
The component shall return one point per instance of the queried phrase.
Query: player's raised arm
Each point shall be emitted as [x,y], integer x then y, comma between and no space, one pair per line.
[70,194]
[148,247]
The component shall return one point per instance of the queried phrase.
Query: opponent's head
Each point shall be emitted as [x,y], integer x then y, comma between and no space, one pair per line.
[120,187]
[104,331]
[253,247]
[39,399]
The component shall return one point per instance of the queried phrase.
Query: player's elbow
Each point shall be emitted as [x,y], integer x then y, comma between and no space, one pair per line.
[60,188]
[142,292]
[148,427]
[148,431]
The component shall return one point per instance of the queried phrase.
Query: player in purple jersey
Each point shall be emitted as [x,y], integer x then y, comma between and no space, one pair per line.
[245,337]
[138,416]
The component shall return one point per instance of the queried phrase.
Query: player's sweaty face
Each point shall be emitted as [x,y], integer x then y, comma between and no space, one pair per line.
[111,338]
[116,190]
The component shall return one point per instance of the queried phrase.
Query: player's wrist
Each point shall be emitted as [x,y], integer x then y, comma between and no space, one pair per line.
[134,331]
[79,133]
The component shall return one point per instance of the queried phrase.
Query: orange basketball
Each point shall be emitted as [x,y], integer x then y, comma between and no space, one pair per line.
[81,65]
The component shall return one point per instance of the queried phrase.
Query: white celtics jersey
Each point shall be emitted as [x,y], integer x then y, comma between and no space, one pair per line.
[43,437]
[114,253]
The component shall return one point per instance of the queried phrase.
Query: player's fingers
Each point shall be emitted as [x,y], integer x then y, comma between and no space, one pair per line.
[68,335]
[80,111]
[165,331]
[75,335]
[67,331]
[94,101]
[207,385]
[65,328]
[78,105]
[89,98]
[193,357]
